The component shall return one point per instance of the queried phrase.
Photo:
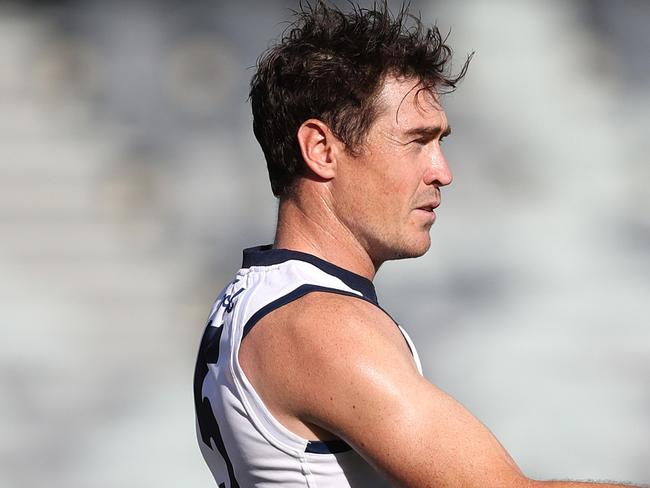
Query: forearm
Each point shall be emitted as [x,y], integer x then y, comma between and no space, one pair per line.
[579,484]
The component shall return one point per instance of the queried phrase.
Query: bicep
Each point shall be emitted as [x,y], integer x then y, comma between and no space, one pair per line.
[426,438]
[374,398]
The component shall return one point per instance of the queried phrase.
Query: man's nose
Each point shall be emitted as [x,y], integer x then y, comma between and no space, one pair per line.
[438,173]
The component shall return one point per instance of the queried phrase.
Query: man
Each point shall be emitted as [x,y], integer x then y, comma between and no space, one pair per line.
[302,380]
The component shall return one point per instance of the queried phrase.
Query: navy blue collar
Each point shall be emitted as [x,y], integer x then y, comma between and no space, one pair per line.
[267,256]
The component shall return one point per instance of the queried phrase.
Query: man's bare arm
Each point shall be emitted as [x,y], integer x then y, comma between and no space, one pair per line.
[579,484]
[353,375]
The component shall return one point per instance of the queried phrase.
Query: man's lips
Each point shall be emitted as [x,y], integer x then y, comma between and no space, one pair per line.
[426,211]
[428,207]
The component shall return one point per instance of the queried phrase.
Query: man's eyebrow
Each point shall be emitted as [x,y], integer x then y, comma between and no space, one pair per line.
[431,131]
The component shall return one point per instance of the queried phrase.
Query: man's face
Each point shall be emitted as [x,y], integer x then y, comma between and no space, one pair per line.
[387,194]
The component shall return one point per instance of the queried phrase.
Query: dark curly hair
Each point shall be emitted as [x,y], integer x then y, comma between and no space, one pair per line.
[331,65]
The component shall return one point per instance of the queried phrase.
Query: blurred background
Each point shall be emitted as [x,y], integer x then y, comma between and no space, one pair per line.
[130,181]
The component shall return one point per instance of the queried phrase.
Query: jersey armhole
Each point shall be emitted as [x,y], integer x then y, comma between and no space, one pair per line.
[299,292]
[261,417]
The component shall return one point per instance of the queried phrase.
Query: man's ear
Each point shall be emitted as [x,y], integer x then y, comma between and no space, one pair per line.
[318,147]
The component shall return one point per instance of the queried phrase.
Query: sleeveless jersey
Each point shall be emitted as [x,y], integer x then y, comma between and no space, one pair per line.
[241,441]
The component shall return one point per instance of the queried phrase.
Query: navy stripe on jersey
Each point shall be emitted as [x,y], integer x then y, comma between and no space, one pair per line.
[290,297]
[206,416]
[267,256]
[327,447]
[208,426]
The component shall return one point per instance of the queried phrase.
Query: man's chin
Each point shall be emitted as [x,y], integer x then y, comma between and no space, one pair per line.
[412,250]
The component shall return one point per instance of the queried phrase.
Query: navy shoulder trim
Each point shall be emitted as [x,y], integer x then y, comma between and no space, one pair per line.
[290,297]
[327,447]
[301,291]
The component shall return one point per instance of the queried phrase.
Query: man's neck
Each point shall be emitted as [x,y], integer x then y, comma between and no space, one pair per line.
[316,229]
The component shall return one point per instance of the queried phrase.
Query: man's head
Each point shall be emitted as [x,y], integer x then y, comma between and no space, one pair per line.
[331,66]
[386,195]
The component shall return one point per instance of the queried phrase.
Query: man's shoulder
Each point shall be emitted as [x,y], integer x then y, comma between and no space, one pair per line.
[325,303]
[323,342]
[322,317]
[324,336]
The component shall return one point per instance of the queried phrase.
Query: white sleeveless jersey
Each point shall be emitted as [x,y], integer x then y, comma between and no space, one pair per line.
[241,441]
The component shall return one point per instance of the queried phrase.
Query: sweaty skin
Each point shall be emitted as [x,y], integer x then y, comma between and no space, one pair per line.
[330,366]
